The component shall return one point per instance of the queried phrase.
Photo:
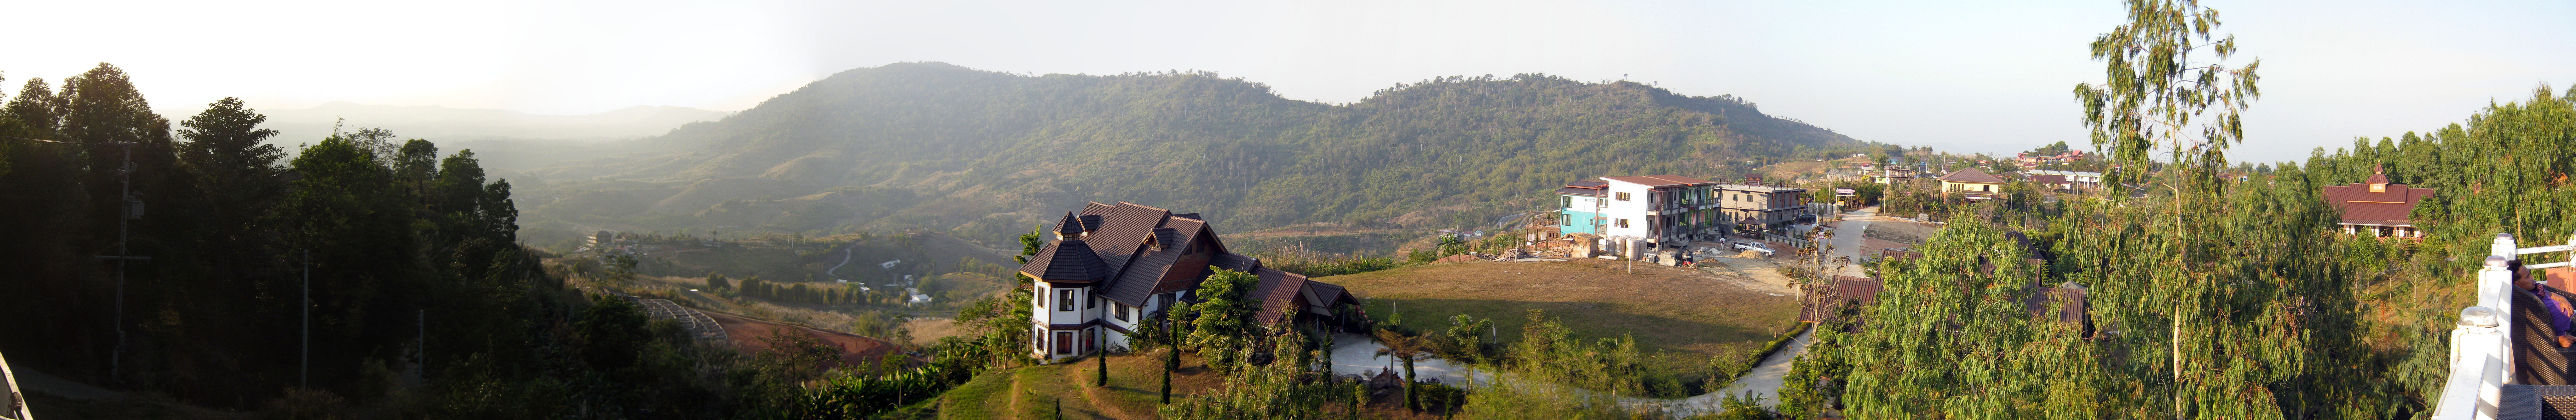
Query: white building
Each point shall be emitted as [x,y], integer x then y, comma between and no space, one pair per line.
[1113,267]
[1669,208]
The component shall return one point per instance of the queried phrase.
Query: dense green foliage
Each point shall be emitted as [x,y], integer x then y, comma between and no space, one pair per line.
[422,303]
[982,154]
[1221,323]
[214,317]
[1292,386]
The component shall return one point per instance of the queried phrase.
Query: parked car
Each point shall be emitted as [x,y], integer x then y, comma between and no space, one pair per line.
[1752,247]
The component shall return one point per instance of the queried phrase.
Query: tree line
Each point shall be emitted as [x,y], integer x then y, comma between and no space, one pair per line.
[421,304]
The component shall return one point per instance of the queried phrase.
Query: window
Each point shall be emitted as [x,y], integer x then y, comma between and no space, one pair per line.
[1093,303]
[1087,345]
[1041,296]
[1623,223]
[1039,340]
[1569,201]
[1121,310]
[1564,219]
[1622,196]
[1064,300]
[2379,188]
[1064,342]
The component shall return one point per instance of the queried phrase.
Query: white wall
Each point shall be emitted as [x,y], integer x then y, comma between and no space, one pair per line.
[1634,209]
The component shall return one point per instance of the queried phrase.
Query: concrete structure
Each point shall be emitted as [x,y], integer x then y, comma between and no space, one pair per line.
[1657,208]
[2065,180]
[1580,207]
[2503,362]
[1758,207]
[1896,174]
[1670,208]
[1114,267]
[2030,159]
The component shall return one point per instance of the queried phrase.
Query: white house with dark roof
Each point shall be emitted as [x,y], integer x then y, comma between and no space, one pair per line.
[1113,267]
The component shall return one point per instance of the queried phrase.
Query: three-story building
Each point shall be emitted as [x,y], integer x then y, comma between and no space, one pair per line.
[1658,208]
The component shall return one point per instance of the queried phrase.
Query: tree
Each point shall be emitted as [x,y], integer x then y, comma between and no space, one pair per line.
[717,282]
[2157,96]
[1404,348]
[1222,320]
[224,141]
[2167,86]
[1099,335]
[1171,358]
[1467,337]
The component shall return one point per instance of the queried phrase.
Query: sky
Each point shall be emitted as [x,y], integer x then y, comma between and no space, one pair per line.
[1983,77]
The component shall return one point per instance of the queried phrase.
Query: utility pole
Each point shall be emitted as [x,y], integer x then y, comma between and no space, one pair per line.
[129,209]
[304,373]
[423,357]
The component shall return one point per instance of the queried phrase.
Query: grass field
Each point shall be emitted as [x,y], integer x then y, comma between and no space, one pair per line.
[1134,391]
[1665,308]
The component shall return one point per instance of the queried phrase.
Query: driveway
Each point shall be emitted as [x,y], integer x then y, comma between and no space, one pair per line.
[1847,241]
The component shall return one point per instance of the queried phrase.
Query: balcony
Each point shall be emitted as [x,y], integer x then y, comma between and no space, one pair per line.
[1665,209]
[2496,371]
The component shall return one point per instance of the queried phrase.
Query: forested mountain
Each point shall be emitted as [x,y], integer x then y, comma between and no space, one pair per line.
[987,154]
[460,124]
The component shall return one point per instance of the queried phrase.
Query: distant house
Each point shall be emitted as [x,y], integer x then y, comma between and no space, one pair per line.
[2377,208]
[2065,180]
[1975,184]
[2034,159]
[1896,174]
[1113,267]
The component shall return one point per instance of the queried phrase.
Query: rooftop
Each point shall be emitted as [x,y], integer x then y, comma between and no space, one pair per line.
[1972,175]
[1660,181]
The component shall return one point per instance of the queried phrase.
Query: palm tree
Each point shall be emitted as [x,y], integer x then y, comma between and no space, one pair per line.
[1405,348]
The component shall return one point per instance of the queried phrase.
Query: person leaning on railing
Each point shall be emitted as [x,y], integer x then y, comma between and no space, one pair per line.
[2550,299]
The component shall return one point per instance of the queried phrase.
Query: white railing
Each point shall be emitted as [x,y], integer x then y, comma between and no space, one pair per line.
[2482,343]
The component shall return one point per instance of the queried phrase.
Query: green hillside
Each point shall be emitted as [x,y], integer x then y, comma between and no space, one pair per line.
[986,154]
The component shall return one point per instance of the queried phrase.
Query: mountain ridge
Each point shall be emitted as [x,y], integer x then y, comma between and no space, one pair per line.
[987,154]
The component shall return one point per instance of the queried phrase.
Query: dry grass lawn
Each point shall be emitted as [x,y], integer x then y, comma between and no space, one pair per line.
[1665,308]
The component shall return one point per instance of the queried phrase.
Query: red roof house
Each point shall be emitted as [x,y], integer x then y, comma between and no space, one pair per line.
[2376,207]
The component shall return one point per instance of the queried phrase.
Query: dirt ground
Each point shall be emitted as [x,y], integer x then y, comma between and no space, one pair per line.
[1901,232]
[1666,308]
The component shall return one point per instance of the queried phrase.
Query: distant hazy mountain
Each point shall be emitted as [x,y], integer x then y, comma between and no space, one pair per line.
[443,124]
[987,154]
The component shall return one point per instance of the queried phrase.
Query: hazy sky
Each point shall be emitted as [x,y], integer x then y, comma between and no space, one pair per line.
[1990,77]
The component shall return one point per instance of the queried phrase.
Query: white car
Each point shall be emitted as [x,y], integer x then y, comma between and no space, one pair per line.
[1751,247]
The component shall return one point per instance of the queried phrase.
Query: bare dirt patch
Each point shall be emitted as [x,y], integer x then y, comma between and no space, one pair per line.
[1902,232]
[1665,308]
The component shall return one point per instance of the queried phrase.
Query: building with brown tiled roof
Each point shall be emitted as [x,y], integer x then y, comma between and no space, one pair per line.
[2377,208]
[1114,267]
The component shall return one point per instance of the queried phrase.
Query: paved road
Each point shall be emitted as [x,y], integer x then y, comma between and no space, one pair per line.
[1763,381]
[1847,241]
